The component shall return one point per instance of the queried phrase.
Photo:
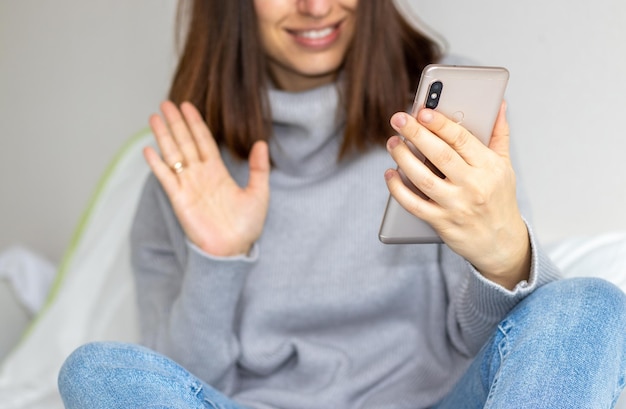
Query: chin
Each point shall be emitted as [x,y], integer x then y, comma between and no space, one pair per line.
[320,69]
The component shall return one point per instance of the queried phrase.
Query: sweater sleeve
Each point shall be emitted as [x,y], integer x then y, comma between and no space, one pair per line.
[478,304]
[187,299]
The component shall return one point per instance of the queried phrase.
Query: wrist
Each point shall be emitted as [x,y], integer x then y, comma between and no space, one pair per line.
[225,251]
[223,248]
[511,264]
[251,253]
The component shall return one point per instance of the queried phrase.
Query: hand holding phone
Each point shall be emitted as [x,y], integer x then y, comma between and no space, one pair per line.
[473,208]
[469,96]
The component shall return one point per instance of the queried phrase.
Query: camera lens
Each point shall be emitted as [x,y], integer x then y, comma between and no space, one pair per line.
[434,94]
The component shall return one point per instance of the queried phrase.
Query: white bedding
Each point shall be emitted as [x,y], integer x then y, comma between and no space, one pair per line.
[598,256]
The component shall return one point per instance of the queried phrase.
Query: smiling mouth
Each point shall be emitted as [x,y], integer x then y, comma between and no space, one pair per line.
[314,35]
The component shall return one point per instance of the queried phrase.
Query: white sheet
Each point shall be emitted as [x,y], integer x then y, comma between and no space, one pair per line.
[29,273]
[598,256]
[92,297]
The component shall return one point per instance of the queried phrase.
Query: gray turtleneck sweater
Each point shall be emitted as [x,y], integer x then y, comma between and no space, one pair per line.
[320,313]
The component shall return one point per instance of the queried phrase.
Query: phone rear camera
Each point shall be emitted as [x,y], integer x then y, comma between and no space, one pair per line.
[434,94]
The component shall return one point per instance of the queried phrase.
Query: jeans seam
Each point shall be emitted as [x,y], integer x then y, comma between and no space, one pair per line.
[503,352]
[197,390]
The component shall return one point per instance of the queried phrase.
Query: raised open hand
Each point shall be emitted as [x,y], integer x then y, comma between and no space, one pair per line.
[217,215]
[474,209]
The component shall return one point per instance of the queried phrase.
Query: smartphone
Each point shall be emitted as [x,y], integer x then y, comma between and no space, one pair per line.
[470,96]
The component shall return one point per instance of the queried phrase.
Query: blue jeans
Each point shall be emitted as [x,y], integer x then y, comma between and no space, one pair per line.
[564,346]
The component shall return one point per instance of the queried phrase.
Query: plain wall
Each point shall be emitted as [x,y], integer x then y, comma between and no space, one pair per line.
[78,78]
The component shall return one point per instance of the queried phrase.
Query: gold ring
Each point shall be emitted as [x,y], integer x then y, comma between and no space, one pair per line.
[178,167]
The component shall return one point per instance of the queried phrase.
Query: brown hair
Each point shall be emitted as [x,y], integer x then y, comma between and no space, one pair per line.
[222,71]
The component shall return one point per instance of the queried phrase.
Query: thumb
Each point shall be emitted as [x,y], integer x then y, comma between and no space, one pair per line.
[500,137]
[259,167]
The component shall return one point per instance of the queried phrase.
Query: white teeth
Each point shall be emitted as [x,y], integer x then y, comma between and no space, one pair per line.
[315,34]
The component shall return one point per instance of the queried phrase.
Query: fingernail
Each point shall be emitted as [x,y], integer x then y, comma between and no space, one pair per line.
[426,116]
[392,142]
[398,120]
[388,174]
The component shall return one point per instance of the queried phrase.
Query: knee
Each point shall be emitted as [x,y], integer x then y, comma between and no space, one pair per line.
[86,364]
[593,296]
[590,305]
[601,302]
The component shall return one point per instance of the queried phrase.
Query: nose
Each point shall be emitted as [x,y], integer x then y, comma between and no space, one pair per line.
[315,8]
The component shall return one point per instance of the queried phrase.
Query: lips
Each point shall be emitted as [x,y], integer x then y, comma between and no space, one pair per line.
[317,37]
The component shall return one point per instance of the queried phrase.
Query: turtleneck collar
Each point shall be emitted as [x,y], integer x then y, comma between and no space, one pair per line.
[307,130]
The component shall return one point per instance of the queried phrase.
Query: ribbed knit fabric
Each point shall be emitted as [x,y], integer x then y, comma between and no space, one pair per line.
[320,314]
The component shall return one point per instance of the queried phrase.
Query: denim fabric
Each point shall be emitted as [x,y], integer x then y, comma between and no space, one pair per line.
[116,375]
[564,346]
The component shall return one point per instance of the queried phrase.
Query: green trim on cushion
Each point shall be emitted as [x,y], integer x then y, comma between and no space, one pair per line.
[80,229]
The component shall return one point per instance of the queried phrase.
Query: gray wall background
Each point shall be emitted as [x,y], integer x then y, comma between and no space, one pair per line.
[78,78]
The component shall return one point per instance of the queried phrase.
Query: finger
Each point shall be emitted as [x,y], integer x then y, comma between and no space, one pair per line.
[161,170]
[180,131]
[417,172]
[202,136]
[416,205]
[167,144]
[500,139]
[259,167]
[436,150]
[456,136]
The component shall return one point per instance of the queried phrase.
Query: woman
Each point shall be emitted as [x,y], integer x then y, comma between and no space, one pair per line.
[257,262]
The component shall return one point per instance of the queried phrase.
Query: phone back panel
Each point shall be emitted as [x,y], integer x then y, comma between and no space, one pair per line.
[470,96]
